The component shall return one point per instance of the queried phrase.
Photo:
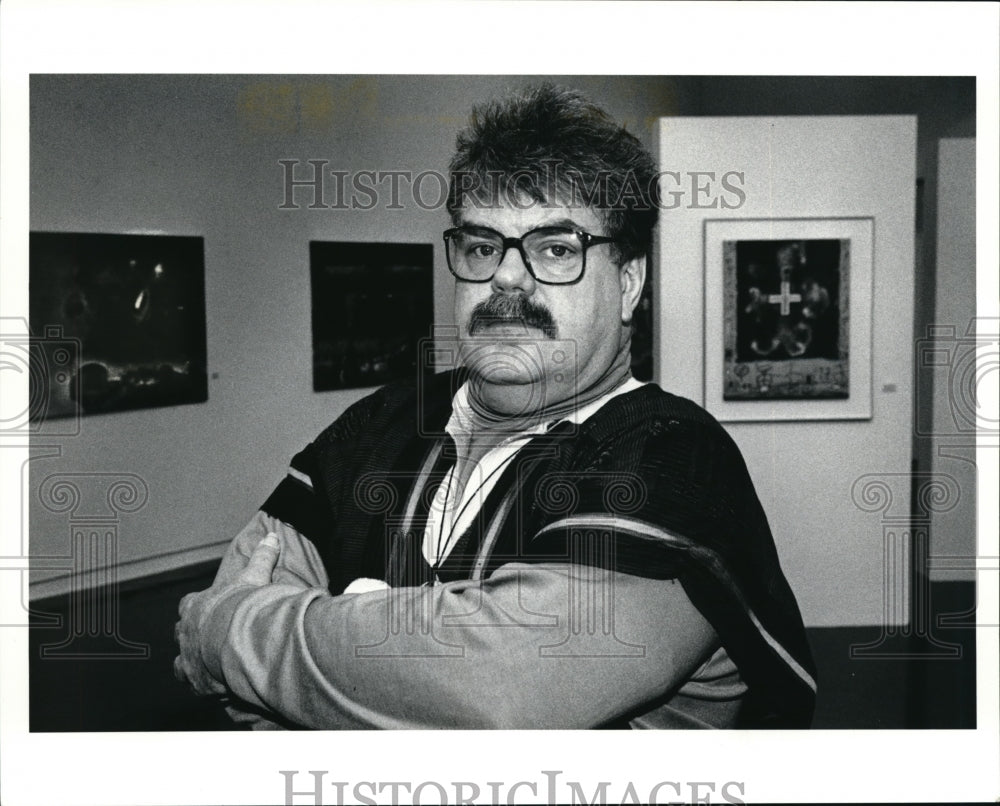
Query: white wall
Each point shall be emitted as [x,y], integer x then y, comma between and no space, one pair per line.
[826,167]
[953,532]
[198,155]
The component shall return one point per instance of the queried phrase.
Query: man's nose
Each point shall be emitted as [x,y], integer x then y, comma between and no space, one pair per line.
[512,274]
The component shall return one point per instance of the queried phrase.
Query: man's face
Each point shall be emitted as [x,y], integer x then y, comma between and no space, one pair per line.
[571,335]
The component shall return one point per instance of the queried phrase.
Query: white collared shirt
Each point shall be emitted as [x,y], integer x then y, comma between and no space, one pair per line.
[449,516]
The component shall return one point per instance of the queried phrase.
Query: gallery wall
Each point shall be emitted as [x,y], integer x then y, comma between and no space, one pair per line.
[943,292]
[946,355]
[819,480]
[196,155]
[190,155]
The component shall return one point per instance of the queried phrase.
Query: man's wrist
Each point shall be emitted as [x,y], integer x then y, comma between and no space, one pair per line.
[228,629]
[213,630]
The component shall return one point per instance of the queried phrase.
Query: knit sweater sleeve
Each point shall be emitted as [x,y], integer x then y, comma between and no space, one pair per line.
[507,652]
[671,498]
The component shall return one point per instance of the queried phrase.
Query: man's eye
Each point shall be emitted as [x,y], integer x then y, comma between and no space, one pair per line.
[482,250]
[558,250]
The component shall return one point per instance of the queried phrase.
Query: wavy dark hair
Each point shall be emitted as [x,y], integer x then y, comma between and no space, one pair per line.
[553,145]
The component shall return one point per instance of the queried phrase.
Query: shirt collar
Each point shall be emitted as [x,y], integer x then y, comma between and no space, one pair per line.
[464,419]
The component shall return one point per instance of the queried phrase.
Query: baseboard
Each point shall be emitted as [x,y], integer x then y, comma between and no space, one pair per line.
[129,571]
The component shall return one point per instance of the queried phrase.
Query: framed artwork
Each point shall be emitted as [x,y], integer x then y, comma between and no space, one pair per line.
[372,303]
[132,307]
[788,318]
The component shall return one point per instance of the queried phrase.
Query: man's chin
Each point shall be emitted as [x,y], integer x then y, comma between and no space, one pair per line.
[501,359]
[505,369]
[506,390]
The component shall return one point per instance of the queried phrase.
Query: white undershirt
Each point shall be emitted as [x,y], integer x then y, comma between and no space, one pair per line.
[448,518]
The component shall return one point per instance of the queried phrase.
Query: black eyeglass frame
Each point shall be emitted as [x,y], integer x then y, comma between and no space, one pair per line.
[586,240]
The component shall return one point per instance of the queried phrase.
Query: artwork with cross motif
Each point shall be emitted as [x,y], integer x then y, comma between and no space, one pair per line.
[786,318]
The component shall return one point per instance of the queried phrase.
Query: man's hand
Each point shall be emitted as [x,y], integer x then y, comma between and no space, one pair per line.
[193,609]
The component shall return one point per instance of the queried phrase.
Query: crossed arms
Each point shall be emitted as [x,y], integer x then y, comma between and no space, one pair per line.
[531,646]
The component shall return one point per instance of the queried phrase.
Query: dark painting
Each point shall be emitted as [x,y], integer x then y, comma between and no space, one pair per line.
[786,319]
[372,303]
[135,307]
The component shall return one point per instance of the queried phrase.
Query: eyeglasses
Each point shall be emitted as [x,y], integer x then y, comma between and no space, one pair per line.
[553,255]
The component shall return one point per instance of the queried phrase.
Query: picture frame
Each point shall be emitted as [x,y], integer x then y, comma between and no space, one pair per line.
[130,311]
[788,318]
[372,303]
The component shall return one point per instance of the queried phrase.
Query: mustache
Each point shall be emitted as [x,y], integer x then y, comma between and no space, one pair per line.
[505,308]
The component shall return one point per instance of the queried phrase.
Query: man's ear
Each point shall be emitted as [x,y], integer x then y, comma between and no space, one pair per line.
[632,275]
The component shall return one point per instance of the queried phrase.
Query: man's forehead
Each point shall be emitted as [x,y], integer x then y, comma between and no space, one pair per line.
[503,217]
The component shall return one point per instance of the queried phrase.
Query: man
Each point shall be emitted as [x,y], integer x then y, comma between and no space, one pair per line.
[536,540]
